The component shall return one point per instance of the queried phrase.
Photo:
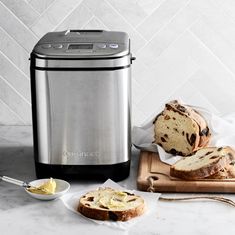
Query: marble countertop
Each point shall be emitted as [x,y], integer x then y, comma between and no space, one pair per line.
[21,214]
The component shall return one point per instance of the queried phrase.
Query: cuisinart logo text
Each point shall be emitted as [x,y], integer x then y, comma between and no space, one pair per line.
[81,154]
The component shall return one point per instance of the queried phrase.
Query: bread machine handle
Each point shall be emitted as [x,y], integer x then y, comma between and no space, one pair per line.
[133,58]
[82,31]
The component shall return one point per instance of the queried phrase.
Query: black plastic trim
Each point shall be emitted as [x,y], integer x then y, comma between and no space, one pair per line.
[79,69]
[116,172]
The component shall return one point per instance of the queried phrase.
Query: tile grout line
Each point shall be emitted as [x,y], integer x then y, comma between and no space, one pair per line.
[43,10]
[67,15]
[13,39]
[93,17]
[210,51]
[101,22]
[179,36]
[12,111]
[19,20]
[145,18]
[30,6]
[114,9]
[176,39]
[191,74]
[171,19]
[43,13]
[187,30]
[25,75]
[211,25]
[35,11]
[11,62]
[14,89]
[141,112]
[165,25]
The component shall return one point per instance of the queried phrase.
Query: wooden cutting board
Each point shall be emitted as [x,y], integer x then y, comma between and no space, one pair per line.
[151,166]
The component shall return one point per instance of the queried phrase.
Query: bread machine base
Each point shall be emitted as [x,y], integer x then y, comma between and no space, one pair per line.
[115,172]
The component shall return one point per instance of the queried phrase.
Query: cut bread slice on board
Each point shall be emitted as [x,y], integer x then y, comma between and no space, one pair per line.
[110,204]
[203,163]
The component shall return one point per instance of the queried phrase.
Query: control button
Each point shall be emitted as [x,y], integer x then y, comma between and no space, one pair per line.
[114,46]
[85,51]
[46,46]
[57,46]
[101,45]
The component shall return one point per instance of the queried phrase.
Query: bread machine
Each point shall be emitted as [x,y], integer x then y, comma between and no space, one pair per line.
[81,103]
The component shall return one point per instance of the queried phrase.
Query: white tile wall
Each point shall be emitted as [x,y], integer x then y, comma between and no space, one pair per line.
[185,49]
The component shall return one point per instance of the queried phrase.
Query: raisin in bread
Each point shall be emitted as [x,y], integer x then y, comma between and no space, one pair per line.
[203,163]
[110,204]
[181,130]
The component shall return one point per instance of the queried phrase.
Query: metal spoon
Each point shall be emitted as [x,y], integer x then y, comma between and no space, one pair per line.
[62,187]
[19,183]
[14,181]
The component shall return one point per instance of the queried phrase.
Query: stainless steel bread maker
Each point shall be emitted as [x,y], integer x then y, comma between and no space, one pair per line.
[81,100]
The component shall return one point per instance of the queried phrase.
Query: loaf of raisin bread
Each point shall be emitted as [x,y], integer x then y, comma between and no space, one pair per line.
[110,204]
[180,130]
[203,163]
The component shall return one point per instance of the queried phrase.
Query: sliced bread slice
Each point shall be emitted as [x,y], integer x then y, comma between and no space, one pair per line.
[110,204]
[203,163]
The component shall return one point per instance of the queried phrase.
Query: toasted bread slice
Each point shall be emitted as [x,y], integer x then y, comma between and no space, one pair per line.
[203,163]
[110,204]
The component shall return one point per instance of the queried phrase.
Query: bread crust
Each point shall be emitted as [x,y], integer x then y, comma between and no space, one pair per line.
[105,214]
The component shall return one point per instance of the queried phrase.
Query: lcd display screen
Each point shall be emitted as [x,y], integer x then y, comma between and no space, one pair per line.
[80,46]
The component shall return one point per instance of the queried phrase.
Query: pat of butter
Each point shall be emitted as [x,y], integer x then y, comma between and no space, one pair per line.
[116,204]
[48,187]
[120,195]
[116,200]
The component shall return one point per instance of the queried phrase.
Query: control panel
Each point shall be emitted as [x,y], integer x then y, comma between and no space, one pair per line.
[100,48]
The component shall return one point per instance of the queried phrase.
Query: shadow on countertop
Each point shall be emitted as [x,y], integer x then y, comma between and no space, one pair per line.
[16,162]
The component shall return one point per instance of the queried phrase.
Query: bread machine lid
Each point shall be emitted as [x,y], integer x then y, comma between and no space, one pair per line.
[83,44]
